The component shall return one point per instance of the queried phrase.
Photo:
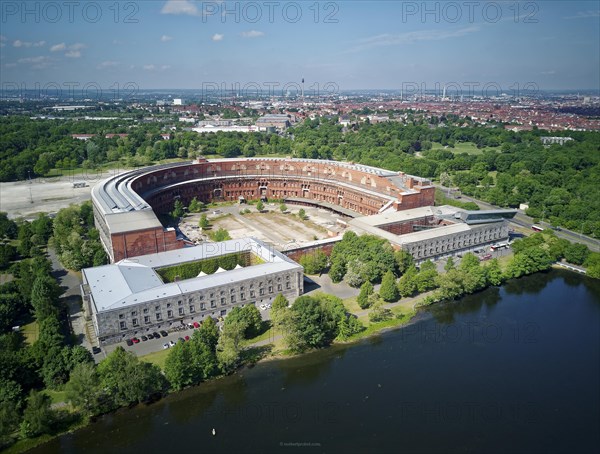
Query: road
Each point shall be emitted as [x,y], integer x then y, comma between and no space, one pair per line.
[522,220]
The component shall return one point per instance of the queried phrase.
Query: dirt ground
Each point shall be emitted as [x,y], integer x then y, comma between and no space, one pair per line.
[280,229]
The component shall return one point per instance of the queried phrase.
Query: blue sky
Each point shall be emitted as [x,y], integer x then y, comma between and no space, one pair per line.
[185,44]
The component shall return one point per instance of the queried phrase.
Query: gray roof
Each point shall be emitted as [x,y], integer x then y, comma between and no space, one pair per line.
[134,281]
[132,220]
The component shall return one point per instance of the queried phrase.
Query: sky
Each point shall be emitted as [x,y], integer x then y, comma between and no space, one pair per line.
[332,45]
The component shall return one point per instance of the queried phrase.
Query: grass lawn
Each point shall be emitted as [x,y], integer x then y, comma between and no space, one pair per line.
[352,305]
[56,396]
[464,147]
[157,358]
[31,332]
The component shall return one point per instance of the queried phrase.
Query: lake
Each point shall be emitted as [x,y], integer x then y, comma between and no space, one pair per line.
[511,369]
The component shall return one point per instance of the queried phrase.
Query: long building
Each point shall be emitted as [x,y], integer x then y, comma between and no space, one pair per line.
[435,232]
[139,295]
[125,206]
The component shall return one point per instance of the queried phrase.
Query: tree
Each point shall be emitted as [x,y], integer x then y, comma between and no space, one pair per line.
[379,313]
[9,421]
[576,253]
[283,207]
[195,206]
[449,264]
[7,253]
[407,285]
[494,273]
[25,242]
[83,389]
[203,222]
[177,209]
[348,325]
[366,290]
[337,271]
[388,291]
[178,368]
[220,235]
[314,262]
[38,417]
[248,317]
[229,346]
[302,214]
[404,260]
[469,261]
[260,206]
[208,333]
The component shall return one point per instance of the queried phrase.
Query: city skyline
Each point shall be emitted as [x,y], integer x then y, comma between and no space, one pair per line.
[353,45]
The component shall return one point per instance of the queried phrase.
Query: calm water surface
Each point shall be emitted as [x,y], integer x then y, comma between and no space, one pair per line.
[514,369]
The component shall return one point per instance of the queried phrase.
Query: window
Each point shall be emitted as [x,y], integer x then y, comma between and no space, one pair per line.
[202,306]
[123,325]
[134,313]
[279,287]
[158,316]
[170,314]
[261,291]
[287,285]
[201,297]
[179,303]
[168,304]
[135,322]
[242,296]
[145,310]
[222,301]
[156,308]
[147,319]
[232,299]
[181,311]
[270,289]
[121,316]
[251,293]
[213,304]
[224,311]
[192,308]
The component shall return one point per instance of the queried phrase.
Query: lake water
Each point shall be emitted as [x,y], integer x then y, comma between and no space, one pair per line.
[512,369]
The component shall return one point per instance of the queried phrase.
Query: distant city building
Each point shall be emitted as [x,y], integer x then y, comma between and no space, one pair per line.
[177,101]
[130,298]
[278,121]
[555,140]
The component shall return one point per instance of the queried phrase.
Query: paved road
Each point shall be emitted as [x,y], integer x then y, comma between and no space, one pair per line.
[69,283]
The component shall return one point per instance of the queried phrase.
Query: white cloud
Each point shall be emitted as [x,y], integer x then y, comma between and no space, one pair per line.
[3,40]
[73,54]
[180,7]
[107,64]
[253,34]
[35,62]
[164,67]
[165,38]
[58,47]
[388,39]
[77,46]
[584,14]
[217,37]
[149,67]
[153,67]
[19,43]
[548,73]
[10,65]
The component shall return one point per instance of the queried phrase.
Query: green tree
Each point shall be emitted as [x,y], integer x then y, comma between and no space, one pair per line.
[203,222]
[366,290]
[407,285]
[25,243]
[494,272]
[337,271]
[83,389]
[7,253]
[38,417]
[576,253]
[283,207]
[260,206]
[389,291]
[302,214]
[196,206]
[314,262]
[9,421]
[379,313]
[404,260]
[208,333]
[348,326]
[177,209]
[220,235]
[229,346]
[178,366]
[449,264]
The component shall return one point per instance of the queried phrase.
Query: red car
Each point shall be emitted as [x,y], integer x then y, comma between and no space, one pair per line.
[196,325]
[135,340]
[485,257]
[187,338]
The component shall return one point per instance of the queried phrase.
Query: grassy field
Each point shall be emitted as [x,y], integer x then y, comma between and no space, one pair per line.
[464,147]
[157,358]
[31,332]
[56,396]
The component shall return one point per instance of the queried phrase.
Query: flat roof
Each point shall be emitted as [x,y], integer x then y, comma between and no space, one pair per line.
[392,217]
[135,280]
[131,221]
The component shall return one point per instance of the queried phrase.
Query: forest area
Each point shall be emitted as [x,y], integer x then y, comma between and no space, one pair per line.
[561,183]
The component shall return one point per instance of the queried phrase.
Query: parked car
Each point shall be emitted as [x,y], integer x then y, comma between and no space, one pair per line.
[190,326]
[135,340]
[144,338]
[129,342]
[156,335]
[172,343]
[181,339]
[187,338]
[165,346]
[196,325]
[485,257]
[262,307]
[164,333]
[96,350]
